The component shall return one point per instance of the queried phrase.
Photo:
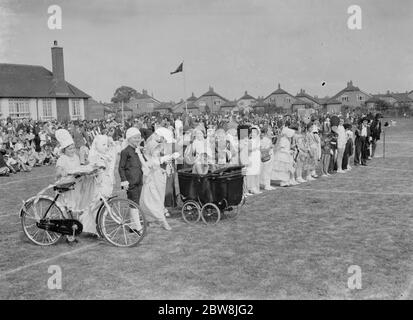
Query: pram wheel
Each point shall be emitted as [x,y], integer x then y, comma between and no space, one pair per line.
[31,215]
[210,213]
[191,212]
[124,226]
[233,211]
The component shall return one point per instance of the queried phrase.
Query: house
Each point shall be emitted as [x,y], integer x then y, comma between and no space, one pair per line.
[210,101]
[311,101]
[246,101]
[299,104]
[165,107]
[371,103]
[109,113]
[180,106]
[95,110]
[142,103]
[401,102]
[333,106]
[281,98]
[29,91]
[260,106]
[193,108]
[114,110]
[351,96]
[228,107]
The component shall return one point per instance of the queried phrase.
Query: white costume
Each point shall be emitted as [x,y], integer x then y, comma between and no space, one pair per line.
[283,164]
[83,197]
[154,182]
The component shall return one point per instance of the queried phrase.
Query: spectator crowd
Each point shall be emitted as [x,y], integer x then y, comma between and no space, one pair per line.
[318,145]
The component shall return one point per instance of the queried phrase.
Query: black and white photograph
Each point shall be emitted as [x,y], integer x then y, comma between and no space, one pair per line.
[225,151]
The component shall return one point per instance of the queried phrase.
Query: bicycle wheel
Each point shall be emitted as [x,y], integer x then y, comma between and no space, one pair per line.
[210,213]
[31,215]
[191,212]
[122,224]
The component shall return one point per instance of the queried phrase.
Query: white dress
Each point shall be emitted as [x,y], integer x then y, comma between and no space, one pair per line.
[83,197]
[283,163]
[153,191]
[254,165]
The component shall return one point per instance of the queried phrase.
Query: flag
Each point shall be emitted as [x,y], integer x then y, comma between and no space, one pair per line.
[179,69]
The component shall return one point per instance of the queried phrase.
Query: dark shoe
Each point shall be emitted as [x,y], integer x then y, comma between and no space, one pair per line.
[364,164]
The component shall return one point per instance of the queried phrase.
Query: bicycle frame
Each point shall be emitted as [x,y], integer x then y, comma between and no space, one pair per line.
[36,198]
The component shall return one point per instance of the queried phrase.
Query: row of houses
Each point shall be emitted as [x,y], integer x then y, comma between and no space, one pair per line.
[28,91]
[350,98]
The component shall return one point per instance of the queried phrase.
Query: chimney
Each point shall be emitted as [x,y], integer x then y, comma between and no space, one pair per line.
[211,89]
[57,63]
[279,86]
[246,92]
[144,91]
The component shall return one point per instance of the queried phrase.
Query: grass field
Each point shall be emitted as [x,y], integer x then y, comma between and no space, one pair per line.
[290,243]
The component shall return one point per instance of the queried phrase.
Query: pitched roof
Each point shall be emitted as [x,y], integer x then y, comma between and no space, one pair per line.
[349,88]
[402,97]
[279,91]
[399,97]
[165,105]
[192,98]
[299,101]
[229,104]
[28,81]
[212,93]
[303,94]
[143,95]
[332,101]
[374,98]
[246,96]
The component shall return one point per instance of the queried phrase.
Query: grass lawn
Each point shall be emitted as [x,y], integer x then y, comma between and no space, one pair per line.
[290,243]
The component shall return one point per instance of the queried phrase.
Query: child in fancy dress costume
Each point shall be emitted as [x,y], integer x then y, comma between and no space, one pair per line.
[301,155]
[83,198]
[283,165]
[152,200]
[326,153]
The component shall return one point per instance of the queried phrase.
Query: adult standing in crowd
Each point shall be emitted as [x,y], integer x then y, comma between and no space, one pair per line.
[362,139]
[375,129]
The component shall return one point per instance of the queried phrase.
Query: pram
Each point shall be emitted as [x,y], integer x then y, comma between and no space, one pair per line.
[210,196]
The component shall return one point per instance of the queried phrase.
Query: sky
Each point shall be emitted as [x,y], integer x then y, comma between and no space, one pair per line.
[231,45]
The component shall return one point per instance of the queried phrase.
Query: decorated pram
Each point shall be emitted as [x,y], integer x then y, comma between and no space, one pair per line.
[211,196]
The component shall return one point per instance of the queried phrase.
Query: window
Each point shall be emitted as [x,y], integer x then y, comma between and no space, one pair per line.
[47,109]
[288,99]
[76,109]
[272,99]
[19,108]
[217,102]
[360,98]
[344,98]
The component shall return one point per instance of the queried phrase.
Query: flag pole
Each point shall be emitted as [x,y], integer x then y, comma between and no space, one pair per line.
[186,104]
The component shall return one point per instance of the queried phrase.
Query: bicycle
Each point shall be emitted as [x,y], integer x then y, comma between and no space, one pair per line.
[45,220]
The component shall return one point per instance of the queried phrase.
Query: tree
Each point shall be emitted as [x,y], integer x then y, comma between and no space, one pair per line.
[124,94]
